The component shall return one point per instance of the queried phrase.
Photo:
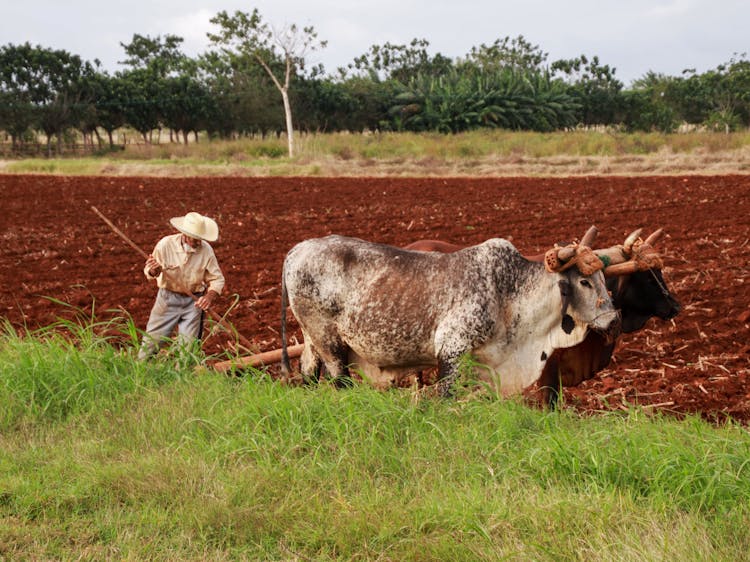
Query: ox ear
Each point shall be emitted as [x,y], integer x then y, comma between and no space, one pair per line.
[567,320]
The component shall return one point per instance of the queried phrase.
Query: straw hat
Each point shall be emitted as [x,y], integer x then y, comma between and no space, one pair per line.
[196,225]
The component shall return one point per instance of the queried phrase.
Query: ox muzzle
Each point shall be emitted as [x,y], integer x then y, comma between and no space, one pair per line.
[607,324]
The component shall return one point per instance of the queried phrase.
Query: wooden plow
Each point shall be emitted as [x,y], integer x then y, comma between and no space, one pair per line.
[258,359]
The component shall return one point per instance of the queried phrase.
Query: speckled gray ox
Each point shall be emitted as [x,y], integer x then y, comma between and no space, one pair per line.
[366,303]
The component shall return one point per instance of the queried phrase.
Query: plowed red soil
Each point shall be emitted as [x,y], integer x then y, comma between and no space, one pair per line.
[53,245]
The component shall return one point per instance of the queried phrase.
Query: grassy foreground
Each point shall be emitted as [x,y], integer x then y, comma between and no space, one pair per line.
[105,458]
[476,153]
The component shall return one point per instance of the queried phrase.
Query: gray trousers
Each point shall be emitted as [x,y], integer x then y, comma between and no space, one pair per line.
[170,311]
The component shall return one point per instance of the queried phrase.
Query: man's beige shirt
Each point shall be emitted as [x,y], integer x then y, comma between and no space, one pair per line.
[186,270]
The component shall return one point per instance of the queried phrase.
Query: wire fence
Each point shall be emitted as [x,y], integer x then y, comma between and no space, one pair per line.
[40,150]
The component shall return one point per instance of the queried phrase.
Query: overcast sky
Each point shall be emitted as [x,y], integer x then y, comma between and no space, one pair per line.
[634,36]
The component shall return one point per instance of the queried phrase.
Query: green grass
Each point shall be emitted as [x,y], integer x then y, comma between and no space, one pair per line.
[102,457]
[317,153]
[78,166]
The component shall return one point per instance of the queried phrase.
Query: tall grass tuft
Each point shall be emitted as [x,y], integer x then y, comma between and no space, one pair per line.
[70,368]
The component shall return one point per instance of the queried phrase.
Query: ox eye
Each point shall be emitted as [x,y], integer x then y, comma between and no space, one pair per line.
[586,283]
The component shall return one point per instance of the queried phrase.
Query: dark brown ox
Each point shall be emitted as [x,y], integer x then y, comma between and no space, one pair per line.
[386,308]
[639,292]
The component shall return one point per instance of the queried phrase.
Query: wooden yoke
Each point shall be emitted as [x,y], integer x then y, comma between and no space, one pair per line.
[559,259]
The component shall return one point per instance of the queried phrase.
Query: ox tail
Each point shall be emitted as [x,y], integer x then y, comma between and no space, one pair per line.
[285,366]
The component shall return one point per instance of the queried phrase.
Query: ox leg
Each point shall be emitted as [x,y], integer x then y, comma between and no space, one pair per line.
[553,397]
[324,349]
[549,383]
[335,357]
[447,375]
[338,366]
[310,365]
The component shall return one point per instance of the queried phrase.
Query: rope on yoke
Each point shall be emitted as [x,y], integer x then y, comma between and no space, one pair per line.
[585,259]
[642,257]
[646,257]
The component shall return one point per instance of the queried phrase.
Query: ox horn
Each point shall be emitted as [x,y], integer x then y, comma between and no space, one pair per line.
[643,257]
[630,240]
[564,254]
[619,253]
[590,237]
[655,237]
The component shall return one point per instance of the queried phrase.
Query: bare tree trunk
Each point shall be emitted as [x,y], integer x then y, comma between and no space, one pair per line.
[289,126]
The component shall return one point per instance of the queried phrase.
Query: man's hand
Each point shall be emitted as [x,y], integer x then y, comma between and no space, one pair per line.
[206,300]
[152,266]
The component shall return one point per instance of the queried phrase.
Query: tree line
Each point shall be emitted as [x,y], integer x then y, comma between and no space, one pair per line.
[254,79]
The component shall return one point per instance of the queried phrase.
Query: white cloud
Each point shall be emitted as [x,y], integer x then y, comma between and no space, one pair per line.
[664,10]
[193,27]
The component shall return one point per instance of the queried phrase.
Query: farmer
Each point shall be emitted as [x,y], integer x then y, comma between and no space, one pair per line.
[189,280]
